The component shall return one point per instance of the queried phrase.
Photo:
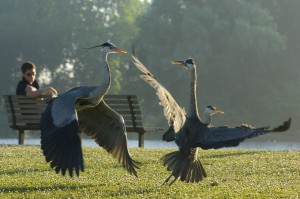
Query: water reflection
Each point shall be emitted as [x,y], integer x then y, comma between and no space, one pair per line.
[268,145]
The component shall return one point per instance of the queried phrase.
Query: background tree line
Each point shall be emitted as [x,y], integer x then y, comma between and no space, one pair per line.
[246,52]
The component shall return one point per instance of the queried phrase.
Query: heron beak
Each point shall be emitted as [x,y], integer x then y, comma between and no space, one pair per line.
[87,49]
[218,111]
[119,50]
[180,63]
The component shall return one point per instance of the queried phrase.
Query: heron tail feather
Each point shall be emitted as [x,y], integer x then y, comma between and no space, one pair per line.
[187,168]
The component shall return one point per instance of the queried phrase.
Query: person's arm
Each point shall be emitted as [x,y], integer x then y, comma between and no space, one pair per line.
[33,92]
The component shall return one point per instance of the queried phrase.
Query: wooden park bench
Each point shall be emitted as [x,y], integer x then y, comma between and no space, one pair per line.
[24,113]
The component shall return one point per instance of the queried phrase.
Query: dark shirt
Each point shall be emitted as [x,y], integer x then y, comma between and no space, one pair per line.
[23,84]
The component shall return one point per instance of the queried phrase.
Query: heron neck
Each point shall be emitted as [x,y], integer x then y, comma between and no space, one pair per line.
[106,74]
[206,118]
[193,109]
[103,88]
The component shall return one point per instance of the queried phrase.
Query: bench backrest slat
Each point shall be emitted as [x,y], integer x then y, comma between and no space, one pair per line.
[25,113]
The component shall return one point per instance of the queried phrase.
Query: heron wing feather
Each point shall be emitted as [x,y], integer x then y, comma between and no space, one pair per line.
[107,127]
[218,137]
[63,109]
[174,114]
[224,136]
[61,145]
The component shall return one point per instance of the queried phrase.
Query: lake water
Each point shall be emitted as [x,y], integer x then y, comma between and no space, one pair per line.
[268,145]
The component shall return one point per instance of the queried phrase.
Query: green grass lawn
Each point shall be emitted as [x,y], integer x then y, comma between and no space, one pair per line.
[231,174]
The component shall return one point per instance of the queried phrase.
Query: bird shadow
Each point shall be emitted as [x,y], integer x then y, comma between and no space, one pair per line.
[233,154]
[19,171]
[22,189]
[130,192]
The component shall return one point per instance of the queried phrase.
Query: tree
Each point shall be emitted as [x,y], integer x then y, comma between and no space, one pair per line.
[232,42]
[53,33]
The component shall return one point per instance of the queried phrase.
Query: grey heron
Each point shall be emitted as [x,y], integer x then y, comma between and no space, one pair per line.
[82,109]
[191,132]
[208,111]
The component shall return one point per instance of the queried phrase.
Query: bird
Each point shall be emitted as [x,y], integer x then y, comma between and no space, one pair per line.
[82,109]
[208,111]
[191,132]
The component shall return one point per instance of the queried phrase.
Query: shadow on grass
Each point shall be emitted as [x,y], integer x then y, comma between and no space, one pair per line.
[20,171]
[233,154]
[23,189]
[126,192]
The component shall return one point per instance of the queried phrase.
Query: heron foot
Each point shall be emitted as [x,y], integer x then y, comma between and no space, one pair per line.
[167,180]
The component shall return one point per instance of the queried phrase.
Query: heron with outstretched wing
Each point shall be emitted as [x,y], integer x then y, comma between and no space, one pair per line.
[191,132]
[82,109]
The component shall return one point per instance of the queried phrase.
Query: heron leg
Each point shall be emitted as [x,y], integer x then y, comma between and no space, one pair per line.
[173,181]
[167,180]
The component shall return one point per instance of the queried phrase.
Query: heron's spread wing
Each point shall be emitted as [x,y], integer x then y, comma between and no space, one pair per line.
[61,145]
[172,111]
[108,129]
[218,137]
[60,141]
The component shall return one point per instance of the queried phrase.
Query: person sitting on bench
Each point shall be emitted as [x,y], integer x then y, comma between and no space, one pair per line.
[29,86]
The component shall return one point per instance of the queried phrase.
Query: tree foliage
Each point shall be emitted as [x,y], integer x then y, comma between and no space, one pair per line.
[52,35]
[233,43]
[247,52]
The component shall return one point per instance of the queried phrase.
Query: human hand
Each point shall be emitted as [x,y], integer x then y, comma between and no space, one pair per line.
[52,91]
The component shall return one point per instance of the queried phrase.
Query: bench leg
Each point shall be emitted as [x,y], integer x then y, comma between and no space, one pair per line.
[21,136]
[141,140]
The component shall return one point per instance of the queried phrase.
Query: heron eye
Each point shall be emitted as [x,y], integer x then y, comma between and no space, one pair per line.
[189,61]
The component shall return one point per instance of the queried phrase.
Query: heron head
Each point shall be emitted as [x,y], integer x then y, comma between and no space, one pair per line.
[188,64]
[108,47]
[211,110]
